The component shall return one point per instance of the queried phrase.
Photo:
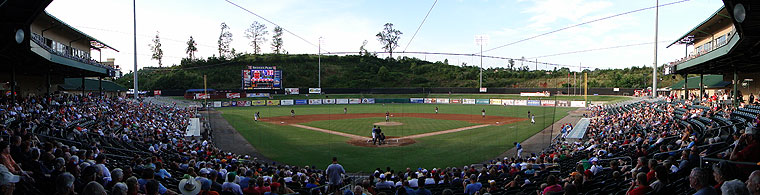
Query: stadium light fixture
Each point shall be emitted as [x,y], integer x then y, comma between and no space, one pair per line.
[19,36]
[739,13]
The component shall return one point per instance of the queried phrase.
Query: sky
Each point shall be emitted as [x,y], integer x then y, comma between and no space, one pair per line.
[451,27]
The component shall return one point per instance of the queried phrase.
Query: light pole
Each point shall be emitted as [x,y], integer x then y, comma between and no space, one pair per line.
[134,31]
[654,69]
[319,63]
[481,40]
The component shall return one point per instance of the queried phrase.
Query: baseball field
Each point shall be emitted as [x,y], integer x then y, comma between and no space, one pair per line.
[457,135]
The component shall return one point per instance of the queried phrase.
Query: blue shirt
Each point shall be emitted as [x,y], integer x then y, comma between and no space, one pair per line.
[472,188]
[423,191]
[244,182]
[518,146]
[334,172]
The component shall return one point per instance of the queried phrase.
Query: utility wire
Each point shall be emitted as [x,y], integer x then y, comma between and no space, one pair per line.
[596,49]
[581,24]
[143,35]
[419,27]
[286,30]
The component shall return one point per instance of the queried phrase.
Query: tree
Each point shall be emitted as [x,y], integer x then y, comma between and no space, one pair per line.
[511,64]
[383,73]
[389,37]
[256,33]
[191,48]
[158,53]
[363,48]
[277,40]
[225,38]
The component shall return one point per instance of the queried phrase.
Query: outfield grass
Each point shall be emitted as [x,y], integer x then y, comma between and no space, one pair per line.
[460,96]
[297,146]
[411,126]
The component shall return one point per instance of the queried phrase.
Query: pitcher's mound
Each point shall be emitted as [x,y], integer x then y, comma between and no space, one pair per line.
[388,123]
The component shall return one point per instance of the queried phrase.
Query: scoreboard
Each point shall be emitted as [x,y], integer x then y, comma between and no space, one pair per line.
[262,77]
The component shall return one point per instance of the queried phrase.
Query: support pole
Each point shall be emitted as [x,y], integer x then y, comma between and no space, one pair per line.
[134,31]
[47,81]
[481,64]
[13,84]
[100,86]
[83,87]
[685,86]
[319,62]
[701,86]
[735,94]
[585,88]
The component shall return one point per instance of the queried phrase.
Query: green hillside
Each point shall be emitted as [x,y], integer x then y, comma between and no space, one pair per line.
[367,71]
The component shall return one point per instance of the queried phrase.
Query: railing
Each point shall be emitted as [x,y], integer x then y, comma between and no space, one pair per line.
[711,46]
[60,49]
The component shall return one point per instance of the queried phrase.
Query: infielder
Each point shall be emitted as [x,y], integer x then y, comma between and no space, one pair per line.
[436,109]
[292,113]
[345,110]
[483,112]
[387,116]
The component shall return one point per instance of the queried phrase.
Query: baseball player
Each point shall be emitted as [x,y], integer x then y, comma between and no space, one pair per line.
[387,116]
[519,148]
[436,109]
[345,110]
[483,112]
[292,113]
[374,135]
[533,119]
[256,116]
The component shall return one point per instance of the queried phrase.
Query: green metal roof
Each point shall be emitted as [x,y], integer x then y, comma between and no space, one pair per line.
[711,81]
[699,25]
[75,84]
[80,32]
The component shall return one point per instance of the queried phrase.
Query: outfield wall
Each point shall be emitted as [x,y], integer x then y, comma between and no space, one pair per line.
[420,90]
[497,102]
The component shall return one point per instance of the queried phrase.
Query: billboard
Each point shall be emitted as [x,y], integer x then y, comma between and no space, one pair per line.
[521,102]
[482,101]
[292,91]
[417,100]
[273,102]
[315,90]
[354,101]
[468,101]
[301,102]
[257,95]
[534,102]
[244,103]
[507,102]
[258,102]
[429,100]
[548,103]
[495,101]
[262,77]
[368,100]
[233,95]
[341,101]
[286,102]
[315,101]
[577,104]
[535,94]
[455,101]
[442,100]
[155,92]
[217,104]
[328,101]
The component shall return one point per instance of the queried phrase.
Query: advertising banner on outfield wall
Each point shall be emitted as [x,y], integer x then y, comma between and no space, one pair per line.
[244,103]
[354,101]
[257,95]
[442,100]
[416,100]
[521,102]
[273,102]
[482,101]
[315,90]
[563,103]
[233,95]
[455,101]
[217,104]
[233,103]
[507,102]
[577,104]
[468,101]
[315,101]
[495,101]
[341,101]
[548,103]
[328,101]
[301,102]
[292,91]
[225,104]
[258,102]
[287,102]
[534,102]
[429,100]
[368,100]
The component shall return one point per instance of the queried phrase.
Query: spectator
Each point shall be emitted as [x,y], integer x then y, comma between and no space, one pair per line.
[661,176]
[639,187]
[699,182]
[751,149]
[132,185]
[335,175]
[231,186]
[753,182]
[94,188]
[64,184]
[189,186]
[384,183]
[474,185]
[551,185]
[734,187]
[421,190]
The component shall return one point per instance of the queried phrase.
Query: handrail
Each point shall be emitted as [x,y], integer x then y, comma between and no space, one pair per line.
[682,149]
[727,161]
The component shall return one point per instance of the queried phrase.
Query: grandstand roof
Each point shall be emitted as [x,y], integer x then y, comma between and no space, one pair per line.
[710,81]
[94,43]
[73,84]
[720,17]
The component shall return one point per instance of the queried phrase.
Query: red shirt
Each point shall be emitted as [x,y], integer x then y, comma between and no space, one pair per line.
[641,190]
[650,176]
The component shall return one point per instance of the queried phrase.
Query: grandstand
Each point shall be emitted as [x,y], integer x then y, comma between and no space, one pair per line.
[57,138]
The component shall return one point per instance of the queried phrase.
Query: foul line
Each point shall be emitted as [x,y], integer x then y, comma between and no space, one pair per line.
[352,136]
